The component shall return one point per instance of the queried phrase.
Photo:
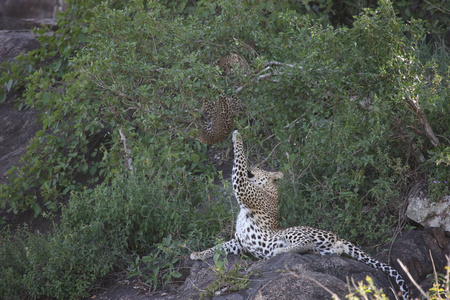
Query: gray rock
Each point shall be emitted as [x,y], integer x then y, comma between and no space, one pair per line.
[295,276]
[15,42]
[29,8]
[16,130]
[286,276]
[427,213]
[16,127]
[415,249]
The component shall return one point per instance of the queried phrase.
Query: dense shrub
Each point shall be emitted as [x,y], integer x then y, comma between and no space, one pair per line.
[62,265]
[344,126]
[107,228]
[340,110]
[136,211]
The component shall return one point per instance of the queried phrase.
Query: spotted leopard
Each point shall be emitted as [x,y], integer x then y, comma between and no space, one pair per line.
[231,62]
[258,231]
[216,121]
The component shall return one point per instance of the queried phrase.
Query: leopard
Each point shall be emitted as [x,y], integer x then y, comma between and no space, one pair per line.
[216,121]
[230,62]
[259,233]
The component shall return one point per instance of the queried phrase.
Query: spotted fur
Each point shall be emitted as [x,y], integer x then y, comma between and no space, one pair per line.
[258,231]
[230,62]
[216,122]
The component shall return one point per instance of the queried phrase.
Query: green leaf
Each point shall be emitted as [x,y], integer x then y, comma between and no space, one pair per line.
[36,209]
[176,274]
[9,85]
[195,158]
[84,167]
[2,95]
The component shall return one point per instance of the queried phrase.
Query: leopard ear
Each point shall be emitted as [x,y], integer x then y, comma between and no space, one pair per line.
[276,175]
[250,174]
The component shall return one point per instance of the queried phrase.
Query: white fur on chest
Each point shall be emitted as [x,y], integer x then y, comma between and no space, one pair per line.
[253,239]
[244,224]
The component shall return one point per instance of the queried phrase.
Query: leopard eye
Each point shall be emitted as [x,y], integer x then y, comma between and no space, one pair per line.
[250,174]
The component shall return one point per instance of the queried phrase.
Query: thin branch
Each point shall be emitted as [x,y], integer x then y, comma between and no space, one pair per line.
[270,154]
[414,105]
[276,63]
[128,158]
[438,7]
[411,278]
[295,121]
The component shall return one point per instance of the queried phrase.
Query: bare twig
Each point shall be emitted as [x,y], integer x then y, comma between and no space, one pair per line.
[411,278]
[295,121]
[447,277]
[128,158]
[414,105]
[276,63]
[436,280]
[270,154]
[268,72]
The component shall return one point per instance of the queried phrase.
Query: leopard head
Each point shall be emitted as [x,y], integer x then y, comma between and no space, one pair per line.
[265,180]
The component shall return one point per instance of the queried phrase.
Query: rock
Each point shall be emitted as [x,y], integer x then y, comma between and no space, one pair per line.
[8,23]
[286,276]
[295,276]
[427,213]
[414,247]
[30,8]
[17,128]
[13,43]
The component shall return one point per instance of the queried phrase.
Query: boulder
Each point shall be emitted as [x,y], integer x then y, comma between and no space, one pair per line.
[30,8]
[285,276]
[13,43]
[296,276]
[17,127]
[422,251]
[428,213]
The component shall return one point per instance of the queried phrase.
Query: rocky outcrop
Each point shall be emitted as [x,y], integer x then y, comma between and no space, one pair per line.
[429,213]
[295,276]
[13,43]
[421,251]
[286,276]
[303,277]
[30,8]
[18,127]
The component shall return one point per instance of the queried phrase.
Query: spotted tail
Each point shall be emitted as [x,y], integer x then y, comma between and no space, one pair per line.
[361,256]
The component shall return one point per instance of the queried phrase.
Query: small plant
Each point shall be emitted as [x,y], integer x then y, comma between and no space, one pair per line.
[62,264]
[441,285]
[365,291]
[226,280]
[159,267]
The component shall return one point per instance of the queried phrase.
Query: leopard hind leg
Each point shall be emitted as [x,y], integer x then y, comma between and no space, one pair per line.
[293,240]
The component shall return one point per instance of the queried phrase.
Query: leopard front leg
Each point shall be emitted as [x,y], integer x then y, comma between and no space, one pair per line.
[230,247]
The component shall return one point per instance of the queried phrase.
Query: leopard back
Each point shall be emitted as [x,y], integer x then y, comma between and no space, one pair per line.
[216,121]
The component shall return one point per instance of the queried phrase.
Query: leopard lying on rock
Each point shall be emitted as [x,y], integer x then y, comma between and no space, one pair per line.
[258,231]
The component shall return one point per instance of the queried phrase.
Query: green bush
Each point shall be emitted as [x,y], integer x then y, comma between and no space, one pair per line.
[342,124]
[120,84]
[108,227]
[138,210]
[62,265]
